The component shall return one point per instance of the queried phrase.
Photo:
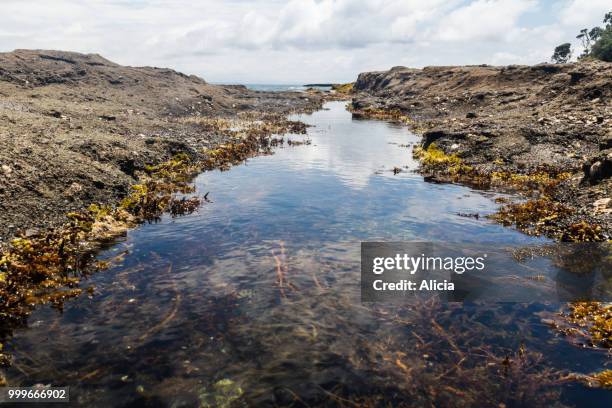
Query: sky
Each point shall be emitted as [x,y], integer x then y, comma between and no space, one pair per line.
[298,41]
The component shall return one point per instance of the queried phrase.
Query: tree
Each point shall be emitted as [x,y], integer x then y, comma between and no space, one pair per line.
[596,43]
[608,20]
[602,49]
[588,38]
[595,33]
[562,53]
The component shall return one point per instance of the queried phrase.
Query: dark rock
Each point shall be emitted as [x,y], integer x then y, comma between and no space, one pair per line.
[576,76]
[598,168]
[471,115]
[437,135]
[606,142]
[128,166]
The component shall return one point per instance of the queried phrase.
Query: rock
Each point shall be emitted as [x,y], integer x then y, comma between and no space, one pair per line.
[606,142]
[31,232]
[436,135]
[576,76]
[6,169]
[108,117]
[73,190]
[603,206]
[471,115]
[598,168]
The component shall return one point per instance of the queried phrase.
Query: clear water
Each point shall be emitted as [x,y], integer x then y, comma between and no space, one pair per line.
[192,313]
[282,88]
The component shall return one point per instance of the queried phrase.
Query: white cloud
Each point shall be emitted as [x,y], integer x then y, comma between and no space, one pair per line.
[585,12]
[487,20]
[299,40]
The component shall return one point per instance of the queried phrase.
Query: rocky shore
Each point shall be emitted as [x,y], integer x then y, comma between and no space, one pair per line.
[78,129]
[543,130]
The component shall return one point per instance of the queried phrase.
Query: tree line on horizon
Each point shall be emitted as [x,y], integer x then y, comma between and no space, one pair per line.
[596,44]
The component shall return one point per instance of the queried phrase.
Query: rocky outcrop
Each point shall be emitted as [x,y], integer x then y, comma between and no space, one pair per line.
[75,128]
[514,120]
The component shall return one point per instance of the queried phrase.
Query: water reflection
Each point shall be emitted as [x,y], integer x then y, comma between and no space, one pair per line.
[195,313]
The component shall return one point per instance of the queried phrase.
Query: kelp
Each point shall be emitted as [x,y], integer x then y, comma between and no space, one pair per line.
[532,216]
[590,321]
[539,216]
[451,167]
[545,180]
[602,379]
[431,354]
[544,216]
[448,167]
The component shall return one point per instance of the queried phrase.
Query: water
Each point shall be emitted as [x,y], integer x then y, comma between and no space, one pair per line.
[283,88]
[192,313]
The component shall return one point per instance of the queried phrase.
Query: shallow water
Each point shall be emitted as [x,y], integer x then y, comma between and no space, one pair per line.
[192,313]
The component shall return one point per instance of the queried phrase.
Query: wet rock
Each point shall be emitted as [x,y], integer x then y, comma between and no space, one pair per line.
[599,167]
[441,137]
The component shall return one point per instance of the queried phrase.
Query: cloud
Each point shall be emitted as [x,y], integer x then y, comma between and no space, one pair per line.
[298,40]
[585,12]
[487,20]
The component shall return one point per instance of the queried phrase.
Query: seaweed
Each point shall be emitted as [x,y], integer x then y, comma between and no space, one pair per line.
[544,216]
[394,115]
[602,379]
[532,216]
[346,89]
[595,319]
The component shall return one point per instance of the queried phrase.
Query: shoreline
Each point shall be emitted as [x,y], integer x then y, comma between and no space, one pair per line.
[533,130]
[80,130]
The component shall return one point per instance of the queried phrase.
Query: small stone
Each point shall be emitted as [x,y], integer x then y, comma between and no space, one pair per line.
[603,206]
[6,169]
[74,189]
[471,115]
[30,232]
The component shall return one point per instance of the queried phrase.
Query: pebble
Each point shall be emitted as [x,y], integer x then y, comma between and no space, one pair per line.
[603,205]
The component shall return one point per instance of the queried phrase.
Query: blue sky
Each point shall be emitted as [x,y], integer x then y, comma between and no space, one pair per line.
[298,41]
